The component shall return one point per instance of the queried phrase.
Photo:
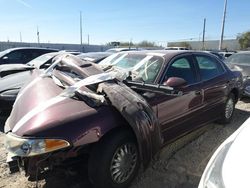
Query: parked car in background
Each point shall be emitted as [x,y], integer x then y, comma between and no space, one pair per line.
[115,50]
[216,53]
[22,55]
[41,62]
[227,54]
[113,121]
[176,48]
[241,62]
[73,52]
[94,57]
[14,76]
[229,166]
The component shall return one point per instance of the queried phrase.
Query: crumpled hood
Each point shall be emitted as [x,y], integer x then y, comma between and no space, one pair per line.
[39,108]
[13,68]
[235,169]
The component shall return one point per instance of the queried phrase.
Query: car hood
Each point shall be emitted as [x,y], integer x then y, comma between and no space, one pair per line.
[244,69]
[35,112]
[15,81]
[13,68]
[235,169]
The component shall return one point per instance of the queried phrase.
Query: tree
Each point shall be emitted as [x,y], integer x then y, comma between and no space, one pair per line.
[244,40]
[146,43]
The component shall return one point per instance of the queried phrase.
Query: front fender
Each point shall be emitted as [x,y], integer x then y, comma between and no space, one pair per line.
[139,115]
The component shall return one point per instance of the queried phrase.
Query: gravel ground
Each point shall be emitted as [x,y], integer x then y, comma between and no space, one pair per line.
[177,165]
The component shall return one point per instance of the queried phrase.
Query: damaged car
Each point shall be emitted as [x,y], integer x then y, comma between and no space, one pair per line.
[115,121]
[22,55]
[241,62]
[14,76]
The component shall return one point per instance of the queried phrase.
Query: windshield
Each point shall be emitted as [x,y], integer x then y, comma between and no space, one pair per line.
[144,67]
[39,61]
[240,58]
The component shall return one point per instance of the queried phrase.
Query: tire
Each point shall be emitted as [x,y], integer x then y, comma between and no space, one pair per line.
[228,110]
[106,158]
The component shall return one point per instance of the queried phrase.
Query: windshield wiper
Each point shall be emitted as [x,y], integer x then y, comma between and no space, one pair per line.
[155,88]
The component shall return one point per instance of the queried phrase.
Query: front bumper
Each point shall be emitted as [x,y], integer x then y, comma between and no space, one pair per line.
[34,167]
[14,163]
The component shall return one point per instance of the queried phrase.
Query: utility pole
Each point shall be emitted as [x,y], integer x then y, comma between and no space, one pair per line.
[38,35]
[203,36]
[223,26]
[20,34]
[81,27]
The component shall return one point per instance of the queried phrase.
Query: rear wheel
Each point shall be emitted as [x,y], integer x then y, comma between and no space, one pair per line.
[114,162]
[228,109]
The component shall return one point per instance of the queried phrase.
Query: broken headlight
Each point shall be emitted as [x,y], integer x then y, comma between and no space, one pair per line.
[25,147]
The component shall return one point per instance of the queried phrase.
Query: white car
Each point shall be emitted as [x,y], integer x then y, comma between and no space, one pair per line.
[176,48]
[229,166]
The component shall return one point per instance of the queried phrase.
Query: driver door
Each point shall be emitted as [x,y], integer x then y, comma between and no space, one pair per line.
[179,114]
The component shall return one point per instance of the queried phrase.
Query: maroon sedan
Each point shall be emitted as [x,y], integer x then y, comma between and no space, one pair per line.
[116,120]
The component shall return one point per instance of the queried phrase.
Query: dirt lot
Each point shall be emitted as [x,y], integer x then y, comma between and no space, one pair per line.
[178,165]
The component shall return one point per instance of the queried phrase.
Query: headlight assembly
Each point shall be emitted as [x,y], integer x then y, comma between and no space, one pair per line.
[25,147]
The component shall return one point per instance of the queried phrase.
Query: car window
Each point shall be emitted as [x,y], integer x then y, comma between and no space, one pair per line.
[148,69]
[208,67]
[181,68]
[15,56]
[35,53]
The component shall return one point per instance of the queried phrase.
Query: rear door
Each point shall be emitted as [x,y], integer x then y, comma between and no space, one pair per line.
[214,85]
[178,114]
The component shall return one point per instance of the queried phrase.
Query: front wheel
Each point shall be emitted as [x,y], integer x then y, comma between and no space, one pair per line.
[228,111]
[114,162]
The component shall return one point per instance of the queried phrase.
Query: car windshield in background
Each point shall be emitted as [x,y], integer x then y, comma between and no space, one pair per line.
[240,58]
[37,62]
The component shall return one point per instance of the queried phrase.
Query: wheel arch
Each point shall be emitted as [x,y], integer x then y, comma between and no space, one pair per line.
[236,93]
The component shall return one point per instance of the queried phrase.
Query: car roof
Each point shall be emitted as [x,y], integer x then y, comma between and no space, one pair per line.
[164,53]
[31,48]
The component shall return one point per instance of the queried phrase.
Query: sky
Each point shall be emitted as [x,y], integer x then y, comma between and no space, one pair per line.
[159,21]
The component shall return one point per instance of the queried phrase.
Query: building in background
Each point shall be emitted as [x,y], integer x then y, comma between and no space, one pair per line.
[78,47]
[230,44]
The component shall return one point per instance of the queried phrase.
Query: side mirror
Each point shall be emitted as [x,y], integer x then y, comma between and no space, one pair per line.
[5,58]
[175,82]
